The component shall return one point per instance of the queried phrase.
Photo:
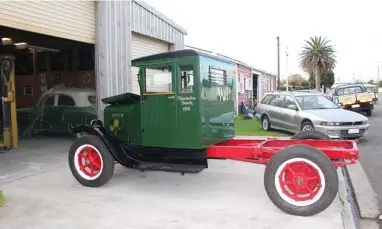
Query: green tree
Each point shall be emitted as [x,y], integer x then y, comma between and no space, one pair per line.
[295,80]
[370,82]
[317,57]
[327,79]
[305,83]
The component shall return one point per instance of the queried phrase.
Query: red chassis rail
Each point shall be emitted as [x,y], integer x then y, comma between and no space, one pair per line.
[341,152]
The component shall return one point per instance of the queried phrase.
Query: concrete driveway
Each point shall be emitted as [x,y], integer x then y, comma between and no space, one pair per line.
[229,194]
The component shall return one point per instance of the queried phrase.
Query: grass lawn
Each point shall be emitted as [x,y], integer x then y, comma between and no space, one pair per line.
[2,199]
[251,127]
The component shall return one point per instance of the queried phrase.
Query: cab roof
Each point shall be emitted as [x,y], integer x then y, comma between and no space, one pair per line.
[180,53]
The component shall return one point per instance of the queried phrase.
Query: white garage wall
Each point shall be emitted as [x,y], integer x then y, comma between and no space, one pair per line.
[143,46]
[74,20]
[116,20]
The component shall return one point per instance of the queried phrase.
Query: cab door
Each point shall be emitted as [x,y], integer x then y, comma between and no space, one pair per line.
[188,117]
[159,119]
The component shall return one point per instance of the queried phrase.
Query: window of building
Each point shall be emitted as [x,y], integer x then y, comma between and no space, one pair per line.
[86,58]
[65,100]
[186,78]
[41,62]
[158,79]
[28,90]
[24,64]
[57,61]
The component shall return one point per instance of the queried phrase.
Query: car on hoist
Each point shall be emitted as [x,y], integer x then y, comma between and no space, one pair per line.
[183,116]
[56,110]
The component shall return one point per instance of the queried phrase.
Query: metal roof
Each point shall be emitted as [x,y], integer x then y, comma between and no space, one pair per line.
[180,53]
[160,15]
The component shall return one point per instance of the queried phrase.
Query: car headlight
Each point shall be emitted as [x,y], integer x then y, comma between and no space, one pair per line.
[330,124]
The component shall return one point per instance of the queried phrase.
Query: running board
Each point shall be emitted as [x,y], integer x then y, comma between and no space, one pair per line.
[180,168]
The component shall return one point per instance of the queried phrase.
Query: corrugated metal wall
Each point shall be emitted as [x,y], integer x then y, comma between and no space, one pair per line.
[147,21]
[113,50]
[74,20]
[115,22]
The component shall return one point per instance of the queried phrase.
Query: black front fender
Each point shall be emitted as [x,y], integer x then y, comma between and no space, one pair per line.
[112,143]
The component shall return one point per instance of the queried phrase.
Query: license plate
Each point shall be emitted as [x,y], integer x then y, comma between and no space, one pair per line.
[355,105]
[353,131]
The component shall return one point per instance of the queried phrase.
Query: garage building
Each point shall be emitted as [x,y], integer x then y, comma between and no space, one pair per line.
[84,44]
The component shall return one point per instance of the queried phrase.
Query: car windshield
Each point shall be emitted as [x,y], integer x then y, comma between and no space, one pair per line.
[349,90]
[314,102]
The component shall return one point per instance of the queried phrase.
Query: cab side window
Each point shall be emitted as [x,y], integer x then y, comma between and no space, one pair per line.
[158,80]
[186,81]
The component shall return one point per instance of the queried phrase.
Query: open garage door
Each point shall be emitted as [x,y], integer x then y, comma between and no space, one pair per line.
[73,20]
[143,46]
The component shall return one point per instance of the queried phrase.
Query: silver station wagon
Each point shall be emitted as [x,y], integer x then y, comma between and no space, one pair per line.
[300,111]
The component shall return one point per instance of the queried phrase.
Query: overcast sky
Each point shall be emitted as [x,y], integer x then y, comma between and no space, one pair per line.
[246,30]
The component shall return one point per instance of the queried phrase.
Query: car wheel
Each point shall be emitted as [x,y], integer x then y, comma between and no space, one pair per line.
[265,123]
[368,113]
[306,126]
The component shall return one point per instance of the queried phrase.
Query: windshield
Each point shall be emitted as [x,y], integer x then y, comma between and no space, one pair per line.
[313,102]
[349,90]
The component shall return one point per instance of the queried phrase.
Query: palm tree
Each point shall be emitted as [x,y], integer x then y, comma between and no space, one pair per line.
[317,57]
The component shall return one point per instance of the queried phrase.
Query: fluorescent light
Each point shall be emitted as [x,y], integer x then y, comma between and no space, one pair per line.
[21,45]
[6,41]
[42,49]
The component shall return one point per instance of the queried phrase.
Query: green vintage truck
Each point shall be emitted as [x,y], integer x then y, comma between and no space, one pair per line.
[183,118]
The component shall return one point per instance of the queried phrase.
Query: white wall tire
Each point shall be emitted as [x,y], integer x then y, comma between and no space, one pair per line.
[90,161]
[306,192]
[286,190]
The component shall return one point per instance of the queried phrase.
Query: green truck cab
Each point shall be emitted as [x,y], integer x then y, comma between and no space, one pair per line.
[185,101]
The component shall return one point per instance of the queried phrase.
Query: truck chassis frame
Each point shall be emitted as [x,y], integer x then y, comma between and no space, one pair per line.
[300,176]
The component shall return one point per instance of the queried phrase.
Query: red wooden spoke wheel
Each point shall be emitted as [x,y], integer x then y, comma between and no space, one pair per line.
[88,162]
[299,182]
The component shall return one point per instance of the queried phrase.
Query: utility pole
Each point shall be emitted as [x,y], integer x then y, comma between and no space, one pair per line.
[378,78]
[278,63]
[286,69]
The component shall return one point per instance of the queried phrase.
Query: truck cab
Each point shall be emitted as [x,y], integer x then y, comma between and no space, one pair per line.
[185,101]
